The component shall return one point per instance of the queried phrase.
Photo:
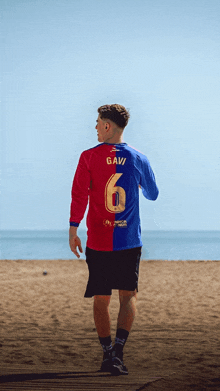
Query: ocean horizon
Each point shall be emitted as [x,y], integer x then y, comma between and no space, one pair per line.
[157,245]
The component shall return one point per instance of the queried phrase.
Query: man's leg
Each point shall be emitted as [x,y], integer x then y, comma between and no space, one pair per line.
[101,315]
[103,327]
[127,309]
[125,320]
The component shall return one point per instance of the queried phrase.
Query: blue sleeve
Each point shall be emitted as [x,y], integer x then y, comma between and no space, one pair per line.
[147,181]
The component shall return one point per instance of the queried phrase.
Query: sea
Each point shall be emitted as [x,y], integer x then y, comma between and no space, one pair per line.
[157,245]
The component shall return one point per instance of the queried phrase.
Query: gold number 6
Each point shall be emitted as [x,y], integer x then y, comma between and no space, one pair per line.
[111,189]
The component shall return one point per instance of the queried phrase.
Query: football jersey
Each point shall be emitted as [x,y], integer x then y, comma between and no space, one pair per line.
[108,177]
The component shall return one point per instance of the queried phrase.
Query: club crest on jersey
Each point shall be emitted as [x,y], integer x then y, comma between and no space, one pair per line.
[107,223]
[116,160]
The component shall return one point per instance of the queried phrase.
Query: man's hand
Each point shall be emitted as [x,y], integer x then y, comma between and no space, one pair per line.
[74,242]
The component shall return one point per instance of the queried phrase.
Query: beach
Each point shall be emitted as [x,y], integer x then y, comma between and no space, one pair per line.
[48,339]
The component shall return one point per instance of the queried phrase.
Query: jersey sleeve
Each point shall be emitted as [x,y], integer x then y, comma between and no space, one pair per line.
[80,191]
[147,180]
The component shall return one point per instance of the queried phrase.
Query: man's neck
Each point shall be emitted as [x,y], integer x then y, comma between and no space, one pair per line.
[114,141]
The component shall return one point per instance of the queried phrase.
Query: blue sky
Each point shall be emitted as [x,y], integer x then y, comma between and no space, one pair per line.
[62,59]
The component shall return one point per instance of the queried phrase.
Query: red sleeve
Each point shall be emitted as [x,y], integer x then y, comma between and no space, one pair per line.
[80,191]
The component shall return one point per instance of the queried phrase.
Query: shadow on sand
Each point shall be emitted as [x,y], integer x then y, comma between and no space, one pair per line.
[14,378]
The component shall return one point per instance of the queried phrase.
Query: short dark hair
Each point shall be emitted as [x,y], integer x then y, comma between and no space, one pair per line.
[116,113]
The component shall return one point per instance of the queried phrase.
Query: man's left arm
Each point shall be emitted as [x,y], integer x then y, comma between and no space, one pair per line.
[148,182]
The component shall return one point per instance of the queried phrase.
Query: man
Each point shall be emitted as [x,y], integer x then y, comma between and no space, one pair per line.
[109,174]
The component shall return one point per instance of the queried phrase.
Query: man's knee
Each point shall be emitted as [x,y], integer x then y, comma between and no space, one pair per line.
[127,295]
[102,300]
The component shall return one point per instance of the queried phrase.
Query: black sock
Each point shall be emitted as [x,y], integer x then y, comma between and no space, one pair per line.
[106,343]
[120,339]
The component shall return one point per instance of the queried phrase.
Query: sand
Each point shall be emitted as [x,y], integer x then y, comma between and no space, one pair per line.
[48,340]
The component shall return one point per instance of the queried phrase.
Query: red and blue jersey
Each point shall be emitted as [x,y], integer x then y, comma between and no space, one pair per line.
[108,177]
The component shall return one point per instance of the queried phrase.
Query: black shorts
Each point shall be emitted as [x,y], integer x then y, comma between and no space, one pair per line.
[112,270]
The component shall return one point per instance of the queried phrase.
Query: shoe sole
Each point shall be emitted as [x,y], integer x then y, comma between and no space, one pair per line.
[117,371]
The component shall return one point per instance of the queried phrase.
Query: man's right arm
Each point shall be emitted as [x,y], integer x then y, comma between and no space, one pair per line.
[80,192]
[74,241]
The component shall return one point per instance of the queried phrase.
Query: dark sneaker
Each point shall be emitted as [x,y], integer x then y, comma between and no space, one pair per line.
[107,362]
[118,367]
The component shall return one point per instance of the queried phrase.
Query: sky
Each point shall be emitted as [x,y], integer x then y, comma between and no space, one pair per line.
[62,59]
